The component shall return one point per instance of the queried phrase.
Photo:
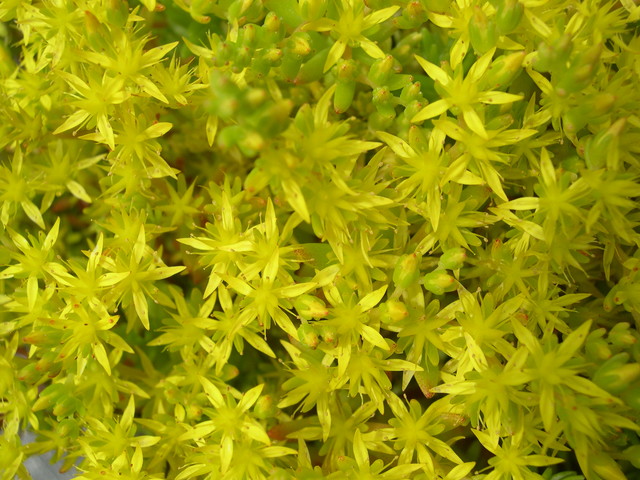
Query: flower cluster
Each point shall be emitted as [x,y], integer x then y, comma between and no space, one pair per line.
[309,239]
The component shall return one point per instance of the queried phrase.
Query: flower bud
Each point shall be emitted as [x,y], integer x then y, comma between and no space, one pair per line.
[29,373]
[68,428]
[300,44]
[308,336]
[552,58]
[248,36]
[620,336]
[438,282]
[381,70]
[411,93]
[310,307]
[229,372]
[599,149]
[616,374]
[384,101]
[508,16]
[329,334]
[482,31]
[503,70]
[453,258]
[272,22]
[596,347]
[265,407]
[66,407]
[407,271]
[581,71]
[394,311]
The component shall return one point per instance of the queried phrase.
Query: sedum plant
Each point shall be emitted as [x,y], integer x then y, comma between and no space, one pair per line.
[320,239]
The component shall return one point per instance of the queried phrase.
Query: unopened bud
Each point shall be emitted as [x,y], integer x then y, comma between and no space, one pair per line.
[596,347]
[438,282]
[599,148]
[381,70]
[29,373]
[308,336]
[453,258]
[66,407]
[394,311]
[68,428]
[411,93]
[508,16]
[482,31]
[616,374]
[265,407]
[407,271]
[621,336]
[310,307]
[329,334]
[503,70]
[300,44]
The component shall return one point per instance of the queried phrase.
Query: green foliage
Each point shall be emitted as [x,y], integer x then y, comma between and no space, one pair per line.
[320,239]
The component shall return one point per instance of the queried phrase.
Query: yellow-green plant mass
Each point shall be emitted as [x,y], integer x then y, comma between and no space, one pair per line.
[320,239]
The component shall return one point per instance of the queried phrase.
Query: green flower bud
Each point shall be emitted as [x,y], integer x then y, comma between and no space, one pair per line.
[482,31]
[621,336]
[616,374]
[66,407]
[384,101]
[300,44]
[381,70]
[453,258]
[229,372]
[68,428]
[248,36]
[552,58]
[272,22]
[265,407]
[29,373]
[411,93]
[503,70]
[313,9]
[508,16]
[582,69]
[310,307]
[407,271]
[599,149]
[379,121]
[393,311]
[308,336]
[438,282]
[596,346]
[329,334]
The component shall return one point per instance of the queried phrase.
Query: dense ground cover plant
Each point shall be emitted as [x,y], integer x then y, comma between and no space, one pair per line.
[306,239]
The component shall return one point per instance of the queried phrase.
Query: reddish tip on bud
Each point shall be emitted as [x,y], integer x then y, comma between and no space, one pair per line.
[310,307]
[453,258]
[308,336]
[438,282]
[407,271]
